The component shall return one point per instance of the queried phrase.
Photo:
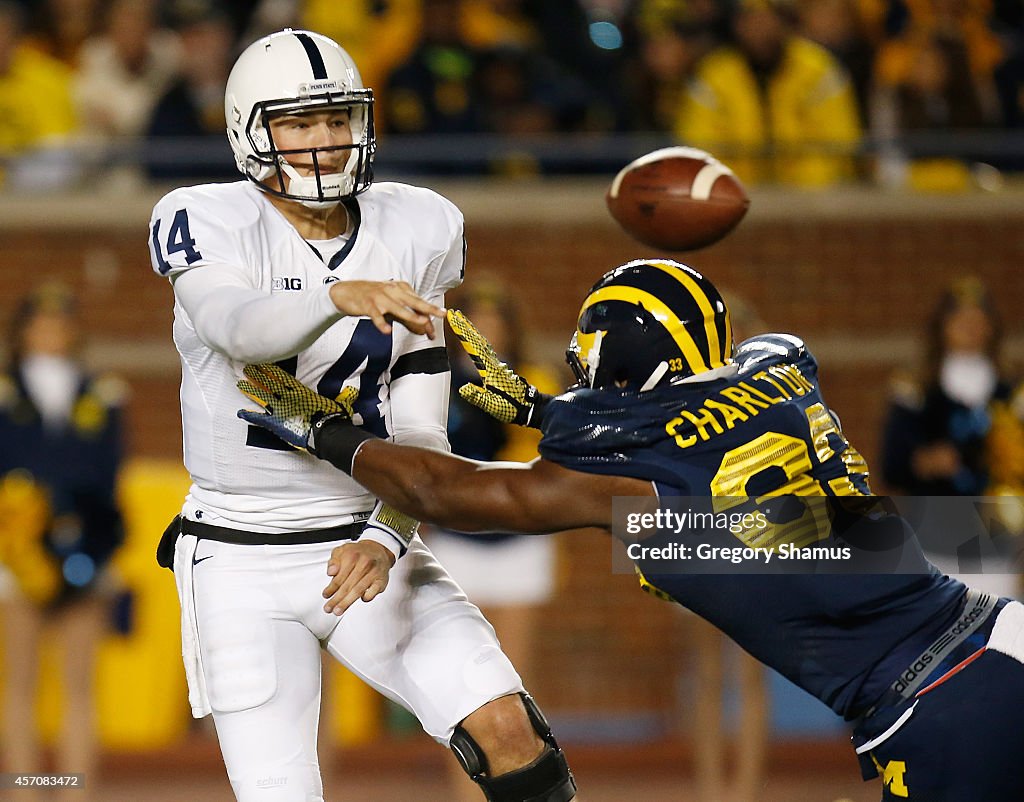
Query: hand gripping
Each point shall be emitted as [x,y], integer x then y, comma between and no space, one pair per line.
[290,408]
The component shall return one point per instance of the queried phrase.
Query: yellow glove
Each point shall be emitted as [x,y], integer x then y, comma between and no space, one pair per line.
[290,408]
[505,395]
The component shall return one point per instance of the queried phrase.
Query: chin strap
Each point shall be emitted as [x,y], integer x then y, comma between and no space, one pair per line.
[306,185]
[655,377]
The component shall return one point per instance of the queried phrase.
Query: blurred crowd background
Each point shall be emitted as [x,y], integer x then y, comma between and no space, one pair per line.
[799,92]
[882,144]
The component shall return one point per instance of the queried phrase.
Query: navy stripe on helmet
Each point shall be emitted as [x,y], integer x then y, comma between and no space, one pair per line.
[316,61]
[677,297]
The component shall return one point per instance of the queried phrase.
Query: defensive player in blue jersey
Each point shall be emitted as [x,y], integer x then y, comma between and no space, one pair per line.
[931,672]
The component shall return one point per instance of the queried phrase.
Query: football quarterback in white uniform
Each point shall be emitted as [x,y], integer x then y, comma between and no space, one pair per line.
[246,251]
[307,264]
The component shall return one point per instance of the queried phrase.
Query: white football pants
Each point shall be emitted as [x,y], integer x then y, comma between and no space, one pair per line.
[259,625]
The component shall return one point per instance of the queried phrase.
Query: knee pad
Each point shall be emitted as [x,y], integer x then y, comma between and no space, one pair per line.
[546,779]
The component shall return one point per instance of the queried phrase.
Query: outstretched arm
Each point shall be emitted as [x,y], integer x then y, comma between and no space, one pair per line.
[426,484]
[431,485]
[471,496]
[249,325]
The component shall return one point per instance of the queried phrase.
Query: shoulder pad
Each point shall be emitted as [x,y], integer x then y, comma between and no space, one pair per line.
[423,225]
[769,348]
[420,199]
[207,224]
[231,204]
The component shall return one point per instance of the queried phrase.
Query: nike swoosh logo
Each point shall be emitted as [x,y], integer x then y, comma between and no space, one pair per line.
[201,559]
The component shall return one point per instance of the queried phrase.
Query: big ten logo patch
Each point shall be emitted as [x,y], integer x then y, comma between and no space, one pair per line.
[286,283]
[892,776]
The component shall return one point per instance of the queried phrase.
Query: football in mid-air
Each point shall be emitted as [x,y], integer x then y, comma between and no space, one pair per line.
[677,199]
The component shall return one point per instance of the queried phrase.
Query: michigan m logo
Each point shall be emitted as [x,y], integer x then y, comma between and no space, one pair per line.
[892,776]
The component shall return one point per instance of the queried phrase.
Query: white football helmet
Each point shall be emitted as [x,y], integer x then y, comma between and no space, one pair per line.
[292,71]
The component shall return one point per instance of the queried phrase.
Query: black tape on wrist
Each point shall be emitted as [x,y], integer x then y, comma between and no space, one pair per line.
[540,405]
[335,439]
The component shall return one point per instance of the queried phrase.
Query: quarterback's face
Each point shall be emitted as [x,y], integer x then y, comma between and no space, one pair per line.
[304,131]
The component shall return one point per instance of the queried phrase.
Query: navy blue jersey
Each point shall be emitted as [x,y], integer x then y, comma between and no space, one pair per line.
[763,430]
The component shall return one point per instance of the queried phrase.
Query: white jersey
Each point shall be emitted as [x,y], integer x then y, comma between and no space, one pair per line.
[241,476]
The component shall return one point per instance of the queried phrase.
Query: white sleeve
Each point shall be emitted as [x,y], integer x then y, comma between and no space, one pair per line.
[448,269]
[421,376]
[452,269]
[419,389]
[246,324]
[419,409]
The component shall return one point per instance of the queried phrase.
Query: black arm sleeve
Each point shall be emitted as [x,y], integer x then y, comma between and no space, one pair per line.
[334,439]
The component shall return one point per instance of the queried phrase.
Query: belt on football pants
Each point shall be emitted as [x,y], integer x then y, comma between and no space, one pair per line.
[242,537]
[947,651]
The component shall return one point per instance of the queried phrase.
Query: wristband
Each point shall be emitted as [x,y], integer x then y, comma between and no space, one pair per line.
[539,406]
[335,439]
[386,539]
[399,525]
